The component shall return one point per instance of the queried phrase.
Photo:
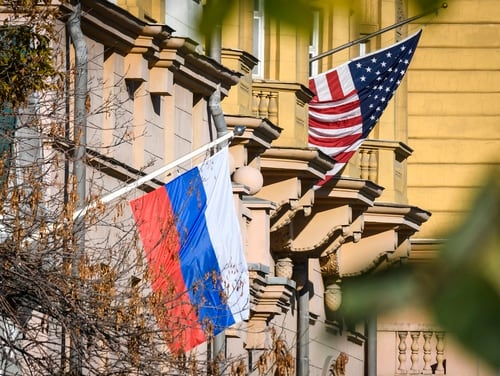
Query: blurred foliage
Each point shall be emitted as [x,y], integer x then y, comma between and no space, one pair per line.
[461,288]
[27,61]
[292,12]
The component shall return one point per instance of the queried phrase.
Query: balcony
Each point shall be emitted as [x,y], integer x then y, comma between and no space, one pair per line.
[284,104]
[384,163]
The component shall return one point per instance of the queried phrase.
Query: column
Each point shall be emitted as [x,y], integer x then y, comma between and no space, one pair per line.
[402,352]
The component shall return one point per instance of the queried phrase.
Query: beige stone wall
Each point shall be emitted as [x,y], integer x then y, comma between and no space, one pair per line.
[454,111]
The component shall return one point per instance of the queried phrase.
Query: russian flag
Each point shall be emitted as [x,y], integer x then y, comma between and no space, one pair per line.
[191,237]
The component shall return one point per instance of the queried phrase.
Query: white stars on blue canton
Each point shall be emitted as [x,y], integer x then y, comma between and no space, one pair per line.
[377,76]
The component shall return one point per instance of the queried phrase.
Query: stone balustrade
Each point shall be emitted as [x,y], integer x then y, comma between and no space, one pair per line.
[265,104]
[285,105]
[384,163]
[420,352]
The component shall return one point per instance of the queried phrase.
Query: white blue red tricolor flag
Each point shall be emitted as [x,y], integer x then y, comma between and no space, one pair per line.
[192,240]
[350,99]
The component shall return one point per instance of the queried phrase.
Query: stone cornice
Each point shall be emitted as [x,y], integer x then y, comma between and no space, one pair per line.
[405,219]
[336,216]
[115,27]
[401,150]
[289,176]
[360,257]
[385,239]
[197,72]
[110,166]
[258,132]
[305,163]
[301,92]
[350,191]
[247,59]
[270,296]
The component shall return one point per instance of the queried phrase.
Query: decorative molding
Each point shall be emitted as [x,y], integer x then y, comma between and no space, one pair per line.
[270,296]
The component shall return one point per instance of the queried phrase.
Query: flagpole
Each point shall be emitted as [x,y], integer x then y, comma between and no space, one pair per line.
[120,192]
[374,34]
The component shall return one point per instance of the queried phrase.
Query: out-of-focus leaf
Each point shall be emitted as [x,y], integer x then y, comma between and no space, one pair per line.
[373,294]
[214,13]
[425,5]
[466,297]
[469,309]
[461,289]
[291,12]
[472,236]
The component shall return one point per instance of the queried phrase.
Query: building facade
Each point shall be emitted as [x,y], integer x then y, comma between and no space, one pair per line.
[301,243]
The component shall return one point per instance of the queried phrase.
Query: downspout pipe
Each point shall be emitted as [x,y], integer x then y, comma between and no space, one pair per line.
[79,169]
[371,346]
[215,99]
[301,271]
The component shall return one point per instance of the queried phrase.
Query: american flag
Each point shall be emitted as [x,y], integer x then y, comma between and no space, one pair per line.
[351,98]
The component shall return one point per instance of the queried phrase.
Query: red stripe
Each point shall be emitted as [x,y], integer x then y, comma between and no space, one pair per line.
[339,124]
[174,312]
[335,109]
[345,156]
[332,142]
[332,78]
[312,87]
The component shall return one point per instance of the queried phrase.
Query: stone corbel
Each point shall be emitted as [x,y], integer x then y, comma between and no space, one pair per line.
[289,176]
[161,81]
[358,258]
[270,296]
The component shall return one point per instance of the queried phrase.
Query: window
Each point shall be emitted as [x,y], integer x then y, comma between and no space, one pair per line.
[362,48]
[258,37]
[314,44]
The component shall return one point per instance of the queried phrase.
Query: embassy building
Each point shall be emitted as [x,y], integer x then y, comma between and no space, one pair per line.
[157,89]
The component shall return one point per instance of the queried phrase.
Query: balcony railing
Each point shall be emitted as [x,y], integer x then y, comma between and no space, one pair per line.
[285,105]
[420,352]
[384,163]
[265,104]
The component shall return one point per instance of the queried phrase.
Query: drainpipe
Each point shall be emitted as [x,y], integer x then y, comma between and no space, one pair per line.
[214,105]
[371,346]
[79,170]
[301,272]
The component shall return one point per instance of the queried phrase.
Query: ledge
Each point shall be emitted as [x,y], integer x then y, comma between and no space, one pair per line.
[258,132]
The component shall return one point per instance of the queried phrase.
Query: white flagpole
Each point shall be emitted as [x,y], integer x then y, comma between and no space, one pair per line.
[120,192]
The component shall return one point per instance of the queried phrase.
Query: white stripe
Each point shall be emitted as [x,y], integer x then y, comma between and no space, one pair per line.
[336,168]
[334,151]
[328,118]
[335,132]
[225,233]
[323,91]
[328,104]
[345,78]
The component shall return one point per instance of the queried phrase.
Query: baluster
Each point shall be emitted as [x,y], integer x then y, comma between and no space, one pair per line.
[273,107]
[264,104]
[402,352]
[364,164]
[440,353]
[427,353]
[373,166]
[255,103]
[414,352]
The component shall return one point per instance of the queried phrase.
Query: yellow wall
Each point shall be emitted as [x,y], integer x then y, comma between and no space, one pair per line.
[148,10]
[454,110]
